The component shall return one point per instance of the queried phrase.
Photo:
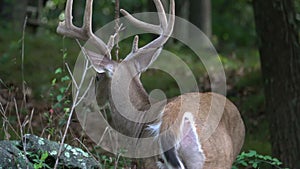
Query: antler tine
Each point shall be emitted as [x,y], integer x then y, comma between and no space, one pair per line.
[87,27]
[171,18]
[165,28]
[140,24]
[161,14]
[85,33]
[167,31]
[146,26]
[68,13]
[66,27]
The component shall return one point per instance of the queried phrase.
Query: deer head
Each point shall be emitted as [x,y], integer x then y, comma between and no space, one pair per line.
[136,62]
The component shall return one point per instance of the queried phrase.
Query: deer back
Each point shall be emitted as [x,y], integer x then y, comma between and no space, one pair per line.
[220,149]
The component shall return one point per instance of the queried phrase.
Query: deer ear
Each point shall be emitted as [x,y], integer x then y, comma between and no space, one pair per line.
[100,63]
[142,59]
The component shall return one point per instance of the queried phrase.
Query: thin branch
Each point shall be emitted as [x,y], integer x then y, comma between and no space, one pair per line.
[117,160]
[72,77]
[117,27]
[102,137]
[21,130]
[86,149]
[5,120]
[85,92]
[30,122]
[2,82]
[18,117]
[22,65]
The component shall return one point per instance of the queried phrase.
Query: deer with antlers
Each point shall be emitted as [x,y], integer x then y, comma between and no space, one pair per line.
[188,140]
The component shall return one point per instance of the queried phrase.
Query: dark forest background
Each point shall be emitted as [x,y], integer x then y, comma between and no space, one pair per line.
[257,40]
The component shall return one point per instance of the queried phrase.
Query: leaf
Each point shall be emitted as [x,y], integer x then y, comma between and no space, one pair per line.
[58,70]
[65,55]
[65,78]
[37,166]
[67,102]
[62,90]
[260,156]
[255,164]
[59,98]
[234,167]
[44,156]
[268,158]
[53,82]
[251,153]
[244,163]
[66,110]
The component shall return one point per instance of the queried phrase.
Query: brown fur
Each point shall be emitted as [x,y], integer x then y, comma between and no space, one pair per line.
[225,142]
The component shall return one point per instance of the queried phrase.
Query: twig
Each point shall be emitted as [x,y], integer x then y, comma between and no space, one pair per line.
[22,65]
[117,27]
[21,131]
[102,137]
[86,149]
[85,92]
[1,81]
[18,117]
[5,120]
[30,122]
[72,77]
[75,103]
[117,160]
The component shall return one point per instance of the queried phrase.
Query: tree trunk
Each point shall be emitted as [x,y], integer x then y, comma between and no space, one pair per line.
[280,61]
[200,15]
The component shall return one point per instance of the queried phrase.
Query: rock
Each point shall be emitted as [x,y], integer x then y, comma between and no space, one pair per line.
[12,157]
[12,154]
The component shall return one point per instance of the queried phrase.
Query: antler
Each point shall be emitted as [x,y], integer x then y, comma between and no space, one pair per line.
[158,29]
[165,30]
[143,56]
[85,33]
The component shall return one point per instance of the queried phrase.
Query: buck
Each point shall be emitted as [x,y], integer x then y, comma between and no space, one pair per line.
[188,139]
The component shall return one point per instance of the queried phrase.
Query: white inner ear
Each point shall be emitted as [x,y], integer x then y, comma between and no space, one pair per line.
[190,150]
[98,69]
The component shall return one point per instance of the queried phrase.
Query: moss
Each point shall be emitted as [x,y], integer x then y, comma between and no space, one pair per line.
[41,142]
[53,153]
[67,154]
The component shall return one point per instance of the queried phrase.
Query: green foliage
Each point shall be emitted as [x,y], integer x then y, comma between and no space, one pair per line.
[39,159]
[42,53]
[233,23]
[254,160]
[109,162]
[60,85]
[61,97]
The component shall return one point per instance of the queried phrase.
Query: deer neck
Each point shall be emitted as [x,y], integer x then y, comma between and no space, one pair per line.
[139,100]
[138,95]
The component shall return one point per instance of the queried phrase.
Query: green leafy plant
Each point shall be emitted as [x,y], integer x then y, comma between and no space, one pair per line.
[39,160]
[60,92]
[60,100]
[113,162]
[254,160]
